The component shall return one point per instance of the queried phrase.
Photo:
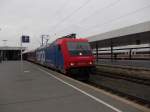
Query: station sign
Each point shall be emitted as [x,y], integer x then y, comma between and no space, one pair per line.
[25,39]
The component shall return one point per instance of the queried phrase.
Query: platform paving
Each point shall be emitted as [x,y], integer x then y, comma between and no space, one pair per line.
[30,88]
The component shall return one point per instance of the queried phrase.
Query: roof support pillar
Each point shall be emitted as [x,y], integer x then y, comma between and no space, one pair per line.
[97,52]
[130,54]
[111,47]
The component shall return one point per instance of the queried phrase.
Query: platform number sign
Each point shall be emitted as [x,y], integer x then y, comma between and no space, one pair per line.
[25,39]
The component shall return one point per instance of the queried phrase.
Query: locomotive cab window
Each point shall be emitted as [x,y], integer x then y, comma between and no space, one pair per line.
[79,48]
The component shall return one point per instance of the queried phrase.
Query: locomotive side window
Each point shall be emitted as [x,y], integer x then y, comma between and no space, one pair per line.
[79,48]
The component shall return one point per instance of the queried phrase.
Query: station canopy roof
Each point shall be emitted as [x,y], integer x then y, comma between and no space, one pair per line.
[132,35]
[11,48]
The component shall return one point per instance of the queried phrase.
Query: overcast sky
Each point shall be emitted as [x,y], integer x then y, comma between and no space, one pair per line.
[60,17]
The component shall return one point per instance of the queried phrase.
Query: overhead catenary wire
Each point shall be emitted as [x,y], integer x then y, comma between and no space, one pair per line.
[62,6]
[71,14]
[108,6]
[102,9]
[130,13]
[118,18]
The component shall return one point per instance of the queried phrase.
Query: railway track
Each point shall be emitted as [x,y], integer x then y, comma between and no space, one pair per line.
[130,78]
[134,98]
[138,75]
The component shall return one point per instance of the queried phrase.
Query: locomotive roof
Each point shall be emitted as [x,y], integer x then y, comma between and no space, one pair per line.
[71,39]
[60,40]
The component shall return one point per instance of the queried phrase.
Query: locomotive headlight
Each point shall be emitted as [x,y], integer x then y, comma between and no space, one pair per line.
[72,64]
[80,54]
[90,62]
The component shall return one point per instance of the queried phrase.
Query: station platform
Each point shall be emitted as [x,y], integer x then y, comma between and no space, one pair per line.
[26,87]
